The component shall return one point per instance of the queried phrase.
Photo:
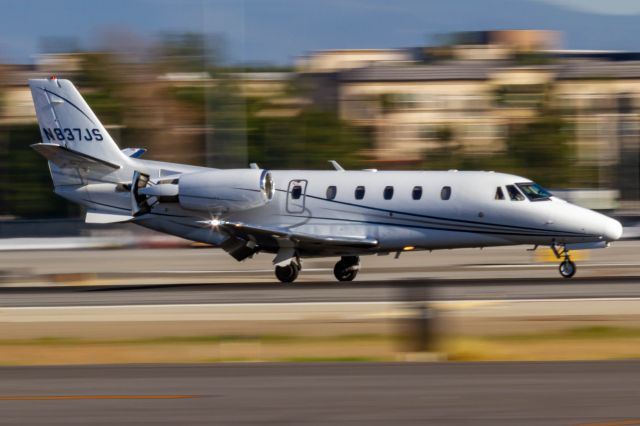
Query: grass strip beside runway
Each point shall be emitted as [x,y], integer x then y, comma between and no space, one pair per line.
[584,343]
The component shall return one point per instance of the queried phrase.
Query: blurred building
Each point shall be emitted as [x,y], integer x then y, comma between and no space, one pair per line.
[468,93]
[340,60]
[464,94]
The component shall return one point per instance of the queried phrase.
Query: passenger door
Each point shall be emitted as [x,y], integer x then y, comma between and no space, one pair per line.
[296,196]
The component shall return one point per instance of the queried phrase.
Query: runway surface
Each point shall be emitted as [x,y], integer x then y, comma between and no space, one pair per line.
[577,393]
[316,292]
[214,266]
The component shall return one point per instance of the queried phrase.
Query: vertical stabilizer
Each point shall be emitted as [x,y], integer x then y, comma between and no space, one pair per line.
[66,120]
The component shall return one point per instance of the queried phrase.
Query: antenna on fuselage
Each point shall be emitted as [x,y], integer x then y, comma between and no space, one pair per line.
[336,166]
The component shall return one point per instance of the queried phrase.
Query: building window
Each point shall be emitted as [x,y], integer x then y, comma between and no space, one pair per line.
[388,192]
[359,192]
[331,192]
[296,192]
[499,194]
[416,194]
[514,194]
[445,193]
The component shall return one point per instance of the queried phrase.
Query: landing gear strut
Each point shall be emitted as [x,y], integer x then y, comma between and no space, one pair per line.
[347,268]
[567,268]
[288,273]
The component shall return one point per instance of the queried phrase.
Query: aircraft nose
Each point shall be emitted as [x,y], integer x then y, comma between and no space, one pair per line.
[612,229]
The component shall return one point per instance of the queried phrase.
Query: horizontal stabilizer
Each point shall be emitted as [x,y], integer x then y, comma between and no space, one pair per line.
[100,217]
[134,152]
[67,158]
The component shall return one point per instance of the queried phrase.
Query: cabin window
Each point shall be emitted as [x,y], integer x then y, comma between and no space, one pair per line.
[359,192]
[296,192]
[534,192]
[331,192]
[388,192]
[514,194]
[445,193]
[499,194]
[416,194]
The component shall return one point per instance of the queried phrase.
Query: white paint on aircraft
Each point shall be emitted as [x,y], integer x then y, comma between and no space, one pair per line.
[297,214]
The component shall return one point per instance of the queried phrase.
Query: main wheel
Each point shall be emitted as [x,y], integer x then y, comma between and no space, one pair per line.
[567,268]
[347,268]
[288,273]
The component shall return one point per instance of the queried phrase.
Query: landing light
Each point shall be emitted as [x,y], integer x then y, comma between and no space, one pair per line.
[215,223]
[408,248]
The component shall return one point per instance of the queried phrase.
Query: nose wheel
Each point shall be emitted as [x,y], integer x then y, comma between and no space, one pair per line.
[347,268]
[567,267]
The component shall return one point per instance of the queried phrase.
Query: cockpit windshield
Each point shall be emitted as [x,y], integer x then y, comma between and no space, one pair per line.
[533,191]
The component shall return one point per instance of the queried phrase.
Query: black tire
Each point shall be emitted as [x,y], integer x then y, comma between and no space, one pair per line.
[567,269]
[344,271]
[288,273]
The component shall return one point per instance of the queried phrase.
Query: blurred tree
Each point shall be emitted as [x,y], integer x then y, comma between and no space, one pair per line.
[101,76]
[25,188]
[541,149]
[188,52]
[307,140]
[447,155]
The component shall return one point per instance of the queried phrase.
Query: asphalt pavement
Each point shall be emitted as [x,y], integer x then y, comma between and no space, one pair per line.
[557,393]
[214,266]
[327,291]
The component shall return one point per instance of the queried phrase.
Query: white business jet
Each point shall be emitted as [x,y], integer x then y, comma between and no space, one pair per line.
[298,214]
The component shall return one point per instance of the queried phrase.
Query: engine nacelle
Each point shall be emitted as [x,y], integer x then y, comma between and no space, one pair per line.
[225,191]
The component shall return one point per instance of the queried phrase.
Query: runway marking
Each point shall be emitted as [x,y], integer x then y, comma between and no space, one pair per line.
[80,397]
[541,265]
[546,265]
[223,271]
[329,303]
[230,308]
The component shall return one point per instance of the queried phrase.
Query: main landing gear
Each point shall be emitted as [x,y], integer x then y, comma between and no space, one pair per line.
[347,268]
[288,273]
[567,268]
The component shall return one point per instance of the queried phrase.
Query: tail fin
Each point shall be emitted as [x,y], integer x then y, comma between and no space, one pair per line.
[66,121]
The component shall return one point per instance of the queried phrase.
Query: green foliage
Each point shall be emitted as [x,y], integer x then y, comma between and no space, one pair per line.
[194,95]
[444,134]
[25,188]
[99,73]
[533,58]
[187,52]
[226,120]
[305,141]
[542,150]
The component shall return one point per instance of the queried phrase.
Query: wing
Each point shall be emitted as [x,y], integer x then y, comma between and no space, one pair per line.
[277,237]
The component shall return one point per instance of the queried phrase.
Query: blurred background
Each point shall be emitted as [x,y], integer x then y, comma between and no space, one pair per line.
[547,89]
[292,84]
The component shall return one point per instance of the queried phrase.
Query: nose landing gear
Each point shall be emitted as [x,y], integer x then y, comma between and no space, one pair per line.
[347,268]
[567,267]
